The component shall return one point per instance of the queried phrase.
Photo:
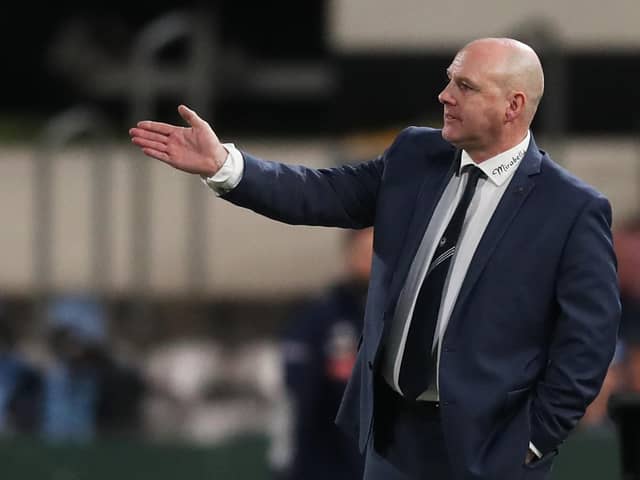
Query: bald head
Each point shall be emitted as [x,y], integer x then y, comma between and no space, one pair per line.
[514,66]
[494,88]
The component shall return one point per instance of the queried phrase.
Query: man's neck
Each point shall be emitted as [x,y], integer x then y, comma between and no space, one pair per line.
[482,154]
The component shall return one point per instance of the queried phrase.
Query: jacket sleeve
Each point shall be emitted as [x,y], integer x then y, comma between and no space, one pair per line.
[584,340]
[344,196]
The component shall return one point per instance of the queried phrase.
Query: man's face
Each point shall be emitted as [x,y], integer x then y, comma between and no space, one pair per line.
[474,102]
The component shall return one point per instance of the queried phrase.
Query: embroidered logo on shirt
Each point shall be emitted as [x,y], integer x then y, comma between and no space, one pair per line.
[506,166]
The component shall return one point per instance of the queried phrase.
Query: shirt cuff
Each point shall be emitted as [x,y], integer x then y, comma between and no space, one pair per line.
[229,175]
[533,448]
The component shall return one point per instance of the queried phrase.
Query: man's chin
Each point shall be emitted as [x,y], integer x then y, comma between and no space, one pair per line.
[448,135]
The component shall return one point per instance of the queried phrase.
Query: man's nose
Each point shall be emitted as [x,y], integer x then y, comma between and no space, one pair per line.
[445,97]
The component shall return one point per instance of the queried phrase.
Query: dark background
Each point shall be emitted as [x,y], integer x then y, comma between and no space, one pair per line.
[373,90]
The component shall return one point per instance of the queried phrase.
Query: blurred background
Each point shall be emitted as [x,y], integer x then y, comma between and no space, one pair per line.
[146,327]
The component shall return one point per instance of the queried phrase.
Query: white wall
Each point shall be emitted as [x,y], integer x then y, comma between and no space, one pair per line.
[249,255]
[433,25]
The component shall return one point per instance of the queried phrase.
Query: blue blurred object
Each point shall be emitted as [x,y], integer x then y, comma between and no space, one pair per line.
[71,390]
[70,404]
[10,369]
[82,316]
[20,383]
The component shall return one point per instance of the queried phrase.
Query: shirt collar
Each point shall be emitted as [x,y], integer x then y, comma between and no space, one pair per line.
[500,168]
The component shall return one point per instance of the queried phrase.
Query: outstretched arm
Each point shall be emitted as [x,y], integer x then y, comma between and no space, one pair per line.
[193,149]
[340,197]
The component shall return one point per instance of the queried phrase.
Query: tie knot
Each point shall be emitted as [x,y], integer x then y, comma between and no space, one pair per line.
[473,171]
[473,174]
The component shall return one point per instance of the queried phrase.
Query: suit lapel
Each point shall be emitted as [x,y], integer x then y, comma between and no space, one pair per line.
[518,190]
[436,179]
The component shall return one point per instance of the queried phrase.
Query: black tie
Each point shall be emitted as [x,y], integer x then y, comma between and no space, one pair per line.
[418,367]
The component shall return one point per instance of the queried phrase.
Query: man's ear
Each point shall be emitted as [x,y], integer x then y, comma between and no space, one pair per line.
[516,106]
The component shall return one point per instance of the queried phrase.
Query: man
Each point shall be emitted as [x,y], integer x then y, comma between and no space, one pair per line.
[493,303]
[86,393]
[20,383]
[319,351]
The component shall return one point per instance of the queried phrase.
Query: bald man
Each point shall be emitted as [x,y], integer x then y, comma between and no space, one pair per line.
[493,302]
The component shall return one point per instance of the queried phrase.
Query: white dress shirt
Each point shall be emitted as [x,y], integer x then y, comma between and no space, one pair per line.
[499,172]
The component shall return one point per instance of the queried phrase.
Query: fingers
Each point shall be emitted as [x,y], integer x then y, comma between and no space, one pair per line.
[156,127]
[161,128]
[145,143]
[150,152]
[146,134]
[149,140]
[190,116]
[153,144]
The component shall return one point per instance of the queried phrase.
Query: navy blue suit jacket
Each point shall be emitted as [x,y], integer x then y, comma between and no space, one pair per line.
[534,326]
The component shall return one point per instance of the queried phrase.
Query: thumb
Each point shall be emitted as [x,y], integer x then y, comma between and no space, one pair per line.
[189,116]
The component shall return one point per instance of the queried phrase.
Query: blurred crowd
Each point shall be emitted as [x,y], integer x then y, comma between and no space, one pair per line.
[624,373]
[66,377]
[79,389]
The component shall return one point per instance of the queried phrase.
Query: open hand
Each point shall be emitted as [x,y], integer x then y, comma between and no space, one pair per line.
[194,149]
